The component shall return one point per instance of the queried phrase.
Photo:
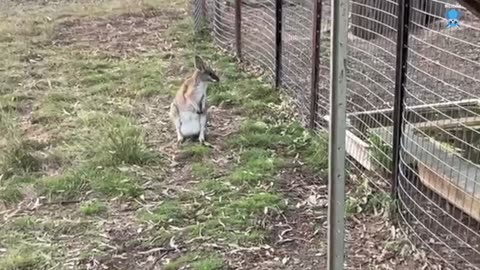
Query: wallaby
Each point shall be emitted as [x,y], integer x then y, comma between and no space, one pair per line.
[189,111]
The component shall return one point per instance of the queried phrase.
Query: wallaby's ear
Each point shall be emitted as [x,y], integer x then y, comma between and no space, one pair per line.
[199,63]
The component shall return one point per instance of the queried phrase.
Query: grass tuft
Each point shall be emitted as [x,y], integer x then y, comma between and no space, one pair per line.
[93,208]
[169,212]
[213,262]
[105,181]
[22,259]
[251,205]
[18,158]
[317,153]
[256,166]
[366,200]
[10,193]
[203,169]
[196,151]
[126,145]
[196,262]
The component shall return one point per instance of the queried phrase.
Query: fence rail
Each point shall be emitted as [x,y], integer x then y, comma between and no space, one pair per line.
[413,98]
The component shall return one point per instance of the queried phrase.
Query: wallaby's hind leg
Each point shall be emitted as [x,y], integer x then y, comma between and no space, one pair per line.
[180,138]
[203,127]
[175,117]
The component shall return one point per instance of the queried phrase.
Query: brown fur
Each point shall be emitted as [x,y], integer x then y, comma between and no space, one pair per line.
[183,98]
[190,98]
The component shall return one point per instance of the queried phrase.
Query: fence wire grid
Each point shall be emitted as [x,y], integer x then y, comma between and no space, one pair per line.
[438,194]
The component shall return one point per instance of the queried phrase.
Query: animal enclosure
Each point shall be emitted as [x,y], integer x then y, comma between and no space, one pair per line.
[439,171]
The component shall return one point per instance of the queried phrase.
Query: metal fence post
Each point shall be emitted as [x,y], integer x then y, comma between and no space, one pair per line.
[400,79]
[317,21]
[337,153]
[278,41]
[238,28]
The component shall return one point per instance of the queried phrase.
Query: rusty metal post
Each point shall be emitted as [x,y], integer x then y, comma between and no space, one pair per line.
[238,28]
[317,21]
[278,41]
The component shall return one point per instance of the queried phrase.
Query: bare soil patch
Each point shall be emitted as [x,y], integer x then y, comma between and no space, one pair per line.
[120,36]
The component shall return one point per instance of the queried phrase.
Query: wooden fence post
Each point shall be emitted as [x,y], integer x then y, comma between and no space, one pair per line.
[238,28]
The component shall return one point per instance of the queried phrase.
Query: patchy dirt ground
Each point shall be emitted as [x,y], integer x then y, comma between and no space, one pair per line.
[122,35]
[122,194]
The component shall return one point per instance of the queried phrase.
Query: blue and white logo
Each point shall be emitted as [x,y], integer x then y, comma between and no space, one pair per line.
[453,16]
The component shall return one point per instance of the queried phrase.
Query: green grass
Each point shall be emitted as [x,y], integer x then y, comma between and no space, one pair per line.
[169,212]
[71,130]
[209,263]
[12,101]
[317,153]
[256,166]
[228,208]
[18,238]
[367,200]
[93,208]
[103,181]
[125,144]
[10,193]
[179,262]
[381,153]
[85,106]
[252,205]
[36,243]
[12,189]
[53,109]
[196,151]
[196,262]
[23,259]
[18,158]
[203,169]
[24,224]
[215,187]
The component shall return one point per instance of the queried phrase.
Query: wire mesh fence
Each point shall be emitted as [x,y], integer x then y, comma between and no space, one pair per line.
[440,163]
[439,150]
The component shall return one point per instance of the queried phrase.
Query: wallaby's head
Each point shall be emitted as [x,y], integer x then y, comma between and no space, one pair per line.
[206,74]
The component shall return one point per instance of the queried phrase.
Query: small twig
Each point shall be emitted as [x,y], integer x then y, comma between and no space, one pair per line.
[285,218]
[283,241]
[386,258]
[227,134]
[213,245]
[11,214]
[154,250]
[158,37]
[286,240]
[63,202]
[285,231]
[196,239]
[159,258]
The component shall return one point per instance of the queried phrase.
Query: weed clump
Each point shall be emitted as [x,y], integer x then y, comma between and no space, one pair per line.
[125,144]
